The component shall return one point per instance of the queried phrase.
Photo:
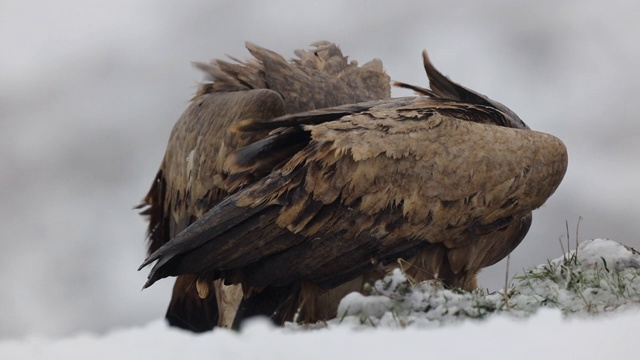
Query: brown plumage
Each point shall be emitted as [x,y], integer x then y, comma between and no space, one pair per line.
[320,201]
[189,181]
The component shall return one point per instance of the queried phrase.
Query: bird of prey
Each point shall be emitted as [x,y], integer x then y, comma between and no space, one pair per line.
[189,181]
[312,204]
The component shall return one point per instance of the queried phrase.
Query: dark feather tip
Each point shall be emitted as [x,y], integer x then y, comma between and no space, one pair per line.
[147,284]
[147,261]
[417,89]
[152,278]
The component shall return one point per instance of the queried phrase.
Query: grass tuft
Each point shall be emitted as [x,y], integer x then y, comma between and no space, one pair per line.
[599,276]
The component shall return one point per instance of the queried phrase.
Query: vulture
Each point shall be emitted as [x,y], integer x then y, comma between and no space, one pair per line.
[288,184]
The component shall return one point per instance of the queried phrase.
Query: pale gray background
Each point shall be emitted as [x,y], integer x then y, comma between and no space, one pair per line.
[89,92]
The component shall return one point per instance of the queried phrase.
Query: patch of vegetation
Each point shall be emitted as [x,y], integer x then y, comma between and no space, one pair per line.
[599,276]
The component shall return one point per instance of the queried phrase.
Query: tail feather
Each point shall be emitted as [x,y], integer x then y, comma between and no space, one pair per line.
[187,310]
[277,303]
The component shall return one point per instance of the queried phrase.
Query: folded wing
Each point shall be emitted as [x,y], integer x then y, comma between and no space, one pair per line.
[402,174]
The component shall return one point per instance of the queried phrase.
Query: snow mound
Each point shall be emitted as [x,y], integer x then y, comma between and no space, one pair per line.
[395,303]
[592,253]
[600,276]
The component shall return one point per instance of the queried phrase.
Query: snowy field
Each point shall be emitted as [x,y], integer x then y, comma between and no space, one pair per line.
[89,92]
[584,305]
[544,336]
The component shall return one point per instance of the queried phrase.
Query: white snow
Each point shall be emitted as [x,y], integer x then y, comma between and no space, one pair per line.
[421,321]
[595,252]
[600,276]
[544,336]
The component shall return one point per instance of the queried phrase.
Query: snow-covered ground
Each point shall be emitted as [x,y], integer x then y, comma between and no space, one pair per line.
[600,277]
[544,336]
[594,315]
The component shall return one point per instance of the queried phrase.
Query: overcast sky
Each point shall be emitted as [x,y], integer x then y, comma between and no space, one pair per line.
[89,92]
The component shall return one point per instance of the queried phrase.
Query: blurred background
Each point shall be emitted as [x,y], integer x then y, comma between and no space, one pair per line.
[89,92]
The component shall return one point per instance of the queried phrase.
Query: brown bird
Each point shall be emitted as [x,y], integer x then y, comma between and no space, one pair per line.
[189,181]
[321,201]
